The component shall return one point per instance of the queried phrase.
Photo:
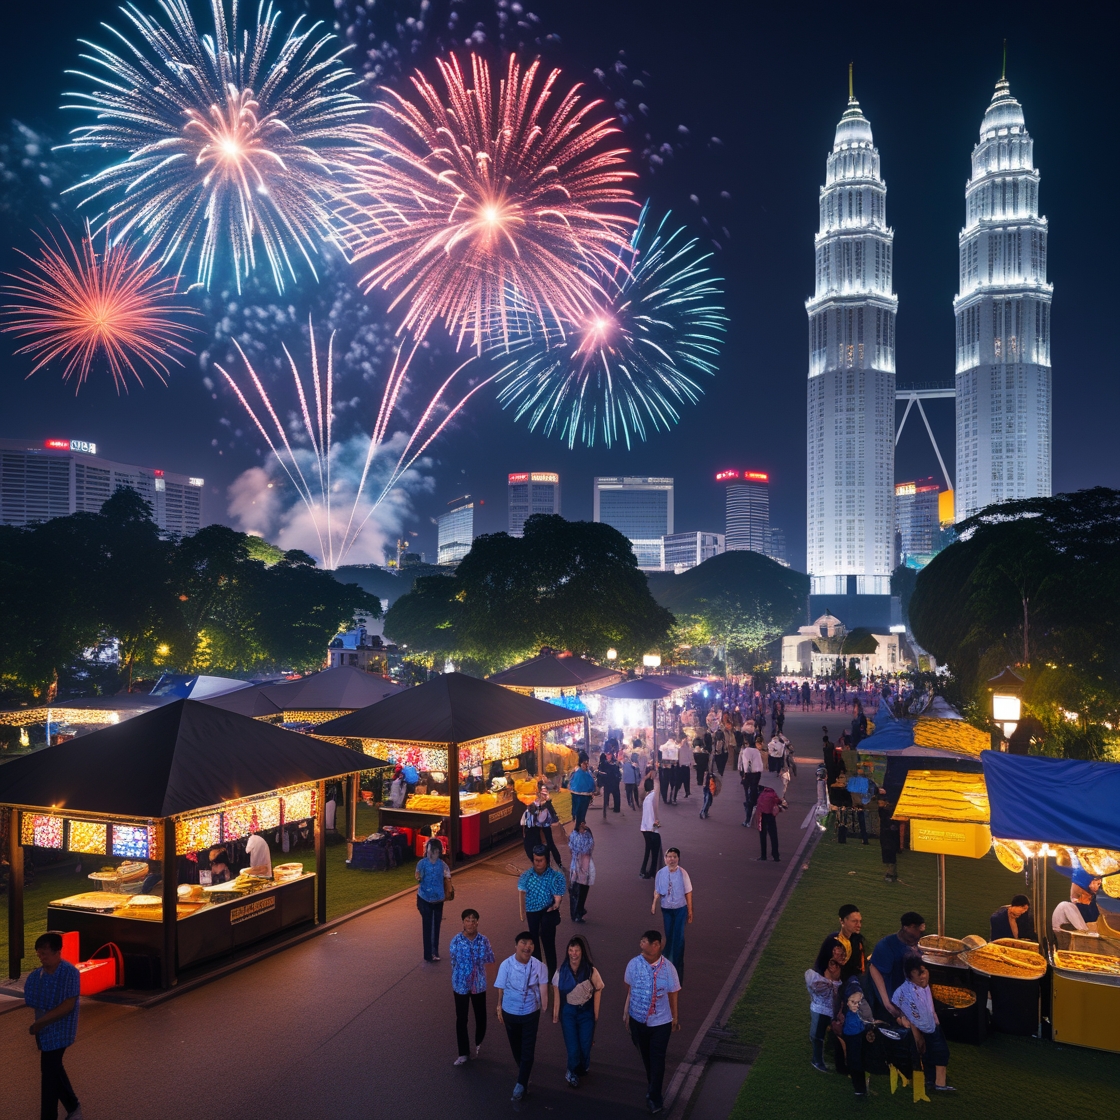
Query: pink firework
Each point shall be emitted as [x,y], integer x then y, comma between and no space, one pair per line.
[77,306]
[485,204]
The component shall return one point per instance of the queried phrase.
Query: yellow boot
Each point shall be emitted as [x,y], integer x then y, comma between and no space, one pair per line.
[896,1076]
[919,1086]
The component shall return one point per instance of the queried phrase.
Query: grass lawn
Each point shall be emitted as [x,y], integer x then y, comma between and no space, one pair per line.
[346,890]
[1006,1076]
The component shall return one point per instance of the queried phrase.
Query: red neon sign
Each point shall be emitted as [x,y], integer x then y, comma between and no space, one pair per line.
[57,444]
[519,477]
[723,476]
[757,476]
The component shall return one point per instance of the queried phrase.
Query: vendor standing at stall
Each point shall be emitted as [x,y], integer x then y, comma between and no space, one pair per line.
[259,856]
[1070,913]
[1014,920]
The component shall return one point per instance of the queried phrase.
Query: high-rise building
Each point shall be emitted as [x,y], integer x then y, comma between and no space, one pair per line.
[56,477]
[747,517]
[531,492]
[916,511]
[778,546]
[639,508]
[455,531]
[681,551]
[1003,320]
[851,372]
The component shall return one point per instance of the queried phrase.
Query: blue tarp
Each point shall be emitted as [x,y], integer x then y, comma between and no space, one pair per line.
[890,734]
[1055,800]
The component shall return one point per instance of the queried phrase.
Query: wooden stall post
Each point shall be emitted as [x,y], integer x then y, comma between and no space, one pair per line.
[353,793]
[321,853]
[941,895]
[15,895]
[455,822]
[168,959]
[540,753]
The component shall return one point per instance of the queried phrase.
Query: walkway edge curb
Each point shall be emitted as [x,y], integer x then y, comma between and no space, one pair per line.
[686,1077]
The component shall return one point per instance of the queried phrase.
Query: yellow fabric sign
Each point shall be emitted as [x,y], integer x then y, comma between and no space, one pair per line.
[948,839]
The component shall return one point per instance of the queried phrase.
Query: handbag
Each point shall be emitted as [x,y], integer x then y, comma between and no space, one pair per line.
[580,994]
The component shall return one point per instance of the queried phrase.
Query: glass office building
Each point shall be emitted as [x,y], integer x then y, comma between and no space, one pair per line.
[456,531]
[531,492]
[640,508]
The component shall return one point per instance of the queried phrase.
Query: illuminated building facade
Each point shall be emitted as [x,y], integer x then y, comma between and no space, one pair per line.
[641,509]
[747,511]
[531,492]
[682,551]
[1003,320]
[916,511]
[455,531]
[851,373]
[41,479]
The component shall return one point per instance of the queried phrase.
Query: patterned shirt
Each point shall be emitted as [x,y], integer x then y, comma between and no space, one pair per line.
[650,985]
[469,959]
[539,889]
[916,1003]
[45,991]
[431,879]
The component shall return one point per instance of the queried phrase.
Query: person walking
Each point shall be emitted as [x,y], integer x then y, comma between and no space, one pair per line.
[470,953]
[673,889]
[581,869]
[750,774]
[767,810]
[546,818]
[52,991]
[522,985]
[581,785]
[701,760]
[712,786]
[610,774]
[432,874]
[651,1011]
[631,775]
[650,833]
[670,759]
[720,750]
[530,831]
[577,992]
[540,890]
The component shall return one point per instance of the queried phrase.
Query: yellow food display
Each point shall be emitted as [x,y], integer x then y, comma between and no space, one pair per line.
[434,803]
[1019,960]
[952,997]
[1087,962]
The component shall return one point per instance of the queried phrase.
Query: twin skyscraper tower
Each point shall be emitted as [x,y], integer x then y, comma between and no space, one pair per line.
[1002,374]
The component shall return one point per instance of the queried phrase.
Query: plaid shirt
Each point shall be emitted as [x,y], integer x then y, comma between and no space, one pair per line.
[468,963]
[44,991]
[539,889]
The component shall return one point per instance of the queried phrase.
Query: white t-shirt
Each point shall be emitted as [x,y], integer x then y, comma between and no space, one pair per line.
[750,761]
[672,887]
[1067,912]
[521,985]
[776,747]
[256,848]
[670,752]
[649,811]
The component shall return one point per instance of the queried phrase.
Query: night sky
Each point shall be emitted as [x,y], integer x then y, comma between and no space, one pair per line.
[770,83]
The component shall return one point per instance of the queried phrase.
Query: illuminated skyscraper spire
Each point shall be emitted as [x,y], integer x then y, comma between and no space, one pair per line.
[852,371]
[1003,319]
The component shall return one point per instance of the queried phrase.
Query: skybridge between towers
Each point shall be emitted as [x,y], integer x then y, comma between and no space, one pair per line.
[915,394]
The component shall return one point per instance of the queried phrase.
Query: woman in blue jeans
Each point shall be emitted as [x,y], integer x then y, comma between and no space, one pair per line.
[577,990]
[431,872]
[673,888]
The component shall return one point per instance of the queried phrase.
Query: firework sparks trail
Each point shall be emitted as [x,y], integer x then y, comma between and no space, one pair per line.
[479,190]
[628,361]
[76,305]
[226,140]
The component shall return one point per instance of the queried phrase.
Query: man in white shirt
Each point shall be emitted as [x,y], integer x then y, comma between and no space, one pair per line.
[750,774]
[522,985]
[1068,913]
[651,1011]
[260,858]
[650,825]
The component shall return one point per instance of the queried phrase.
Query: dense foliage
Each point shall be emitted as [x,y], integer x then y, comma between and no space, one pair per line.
[1035,584]
[203,602]
[570,584]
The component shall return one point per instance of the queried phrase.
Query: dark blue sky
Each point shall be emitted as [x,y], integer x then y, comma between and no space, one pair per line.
[770,84]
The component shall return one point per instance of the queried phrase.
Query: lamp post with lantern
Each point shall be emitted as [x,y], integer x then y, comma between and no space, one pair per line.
[1007,705]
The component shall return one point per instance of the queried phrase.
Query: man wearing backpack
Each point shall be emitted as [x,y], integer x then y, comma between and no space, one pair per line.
[767,810]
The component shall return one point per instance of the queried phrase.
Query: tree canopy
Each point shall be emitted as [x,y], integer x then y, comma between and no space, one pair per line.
[1034,583]
[570,584]
[194,603]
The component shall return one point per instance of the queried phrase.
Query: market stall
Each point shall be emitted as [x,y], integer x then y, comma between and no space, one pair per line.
[150,798]
[632,708]
[469,749]
[1066,809]
[325,695]
[550,675]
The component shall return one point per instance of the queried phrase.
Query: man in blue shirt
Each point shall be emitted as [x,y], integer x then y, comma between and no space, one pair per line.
[540,890]
[581,785]
[53,990]
[650,1011]
[522,985]
[470,954]
[887,973]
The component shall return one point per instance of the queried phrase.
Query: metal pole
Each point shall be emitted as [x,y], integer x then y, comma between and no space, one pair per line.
[1040,918]
[15,895]
[169,959]
[941,896]
[1036,898]
[353,793]
[456,824]
[321,853]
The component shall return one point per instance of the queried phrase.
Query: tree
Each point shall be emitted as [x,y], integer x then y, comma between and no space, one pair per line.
[425,620]
[736,601]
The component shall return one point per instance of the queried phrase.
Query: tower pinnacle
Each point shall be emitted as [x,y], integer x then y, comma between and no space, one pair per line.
[1003,72]
[851,93]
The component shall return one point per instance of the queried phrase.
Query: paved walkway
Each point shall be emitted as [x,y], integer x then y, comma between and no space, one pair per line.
[353,1023]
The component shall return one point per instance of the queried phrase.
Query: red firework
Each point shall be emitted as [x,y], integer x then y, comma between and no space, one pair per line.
[76,305]
[485,204]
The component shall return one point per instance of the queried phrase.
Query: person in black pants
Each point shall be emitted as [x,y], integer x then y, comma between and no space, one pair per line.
[470,953]
[650,834]
[767,810]
[52,991]
[522,987]
[540,890]
[610,775]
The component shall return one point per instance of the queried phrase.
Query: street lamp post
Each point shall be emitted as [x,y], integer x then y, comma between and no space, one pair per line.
[1007,703]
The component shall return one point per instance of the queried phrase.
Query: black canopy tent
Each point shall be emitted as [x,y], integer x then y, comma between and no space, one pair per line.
[179,759]
[556,672]
[321,695]
[450,712]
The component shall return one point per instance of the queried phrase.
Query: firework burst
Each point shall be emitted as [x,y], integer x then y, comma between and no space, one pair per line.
[627,362]
[482,190]
[227,141]
[77,305]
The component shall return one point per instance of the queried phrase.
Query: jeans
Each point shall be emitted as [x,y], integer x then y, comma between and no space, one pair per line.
[542,925]
[675,919]
[705,808]
[769,827]
[632,801]
[580,804]
[431,914]
[521,1030]
[577,897]
[652,1043]
[653,852]
[55,1085]
[818,1031]
[578,1025]
[463,1002]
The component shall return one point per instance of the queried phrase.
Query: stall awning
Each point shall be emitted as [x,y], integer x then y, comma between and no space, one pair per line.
[345,688]
[951,736]
[252,702]
[184,756]
[642,688]
[452,708]
[1058,801]
[551,670]
[943,795]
